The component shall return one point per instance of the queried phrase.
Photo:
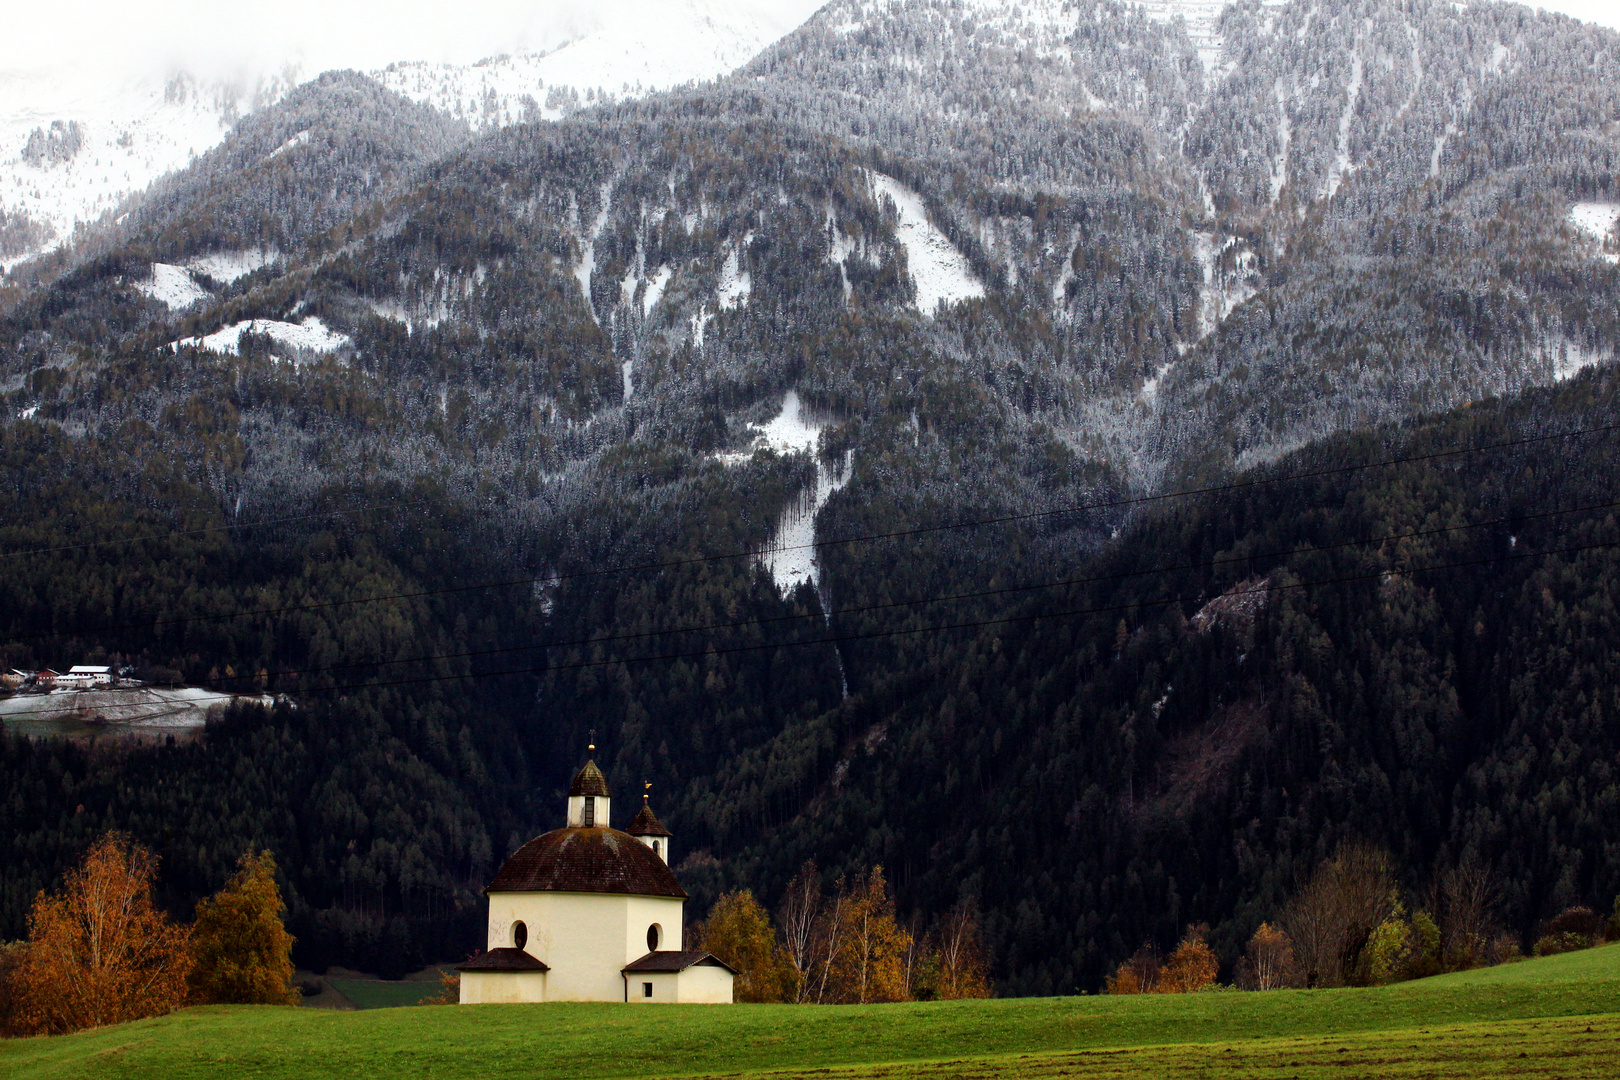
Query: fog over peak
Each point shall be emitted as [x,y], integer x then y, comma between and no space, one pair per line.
[243,42]
[102,42]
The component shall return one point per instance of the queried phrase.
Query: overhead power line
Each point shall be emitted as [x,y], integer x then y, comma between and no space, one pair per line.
[965,625]
[1208,564]
[555,579]
[232,527]
[836,639]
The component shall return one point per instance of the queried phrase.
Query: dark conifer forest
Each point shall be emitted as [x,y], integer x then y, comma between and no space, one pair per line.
[1204,467]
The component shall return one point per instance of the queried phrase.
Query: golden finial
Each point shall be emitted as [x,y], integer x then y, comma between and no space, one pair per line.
[646,786]
[592,747]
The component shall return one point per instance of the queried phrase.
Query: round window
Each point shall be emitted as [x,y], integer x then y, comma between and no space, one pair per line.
[520,935]
[655,934]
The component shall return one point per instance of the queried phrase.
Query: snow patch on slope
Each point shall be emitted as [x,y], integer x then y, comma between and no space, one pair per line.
[655,290]
[1352,94]
[312,335]
[1596,221]
[1285,136]
[736,284]
[940,273]
[1227,273]
[300,139]
[173,286]
[1566,356]
[227,266]
[790,557]
[587,248]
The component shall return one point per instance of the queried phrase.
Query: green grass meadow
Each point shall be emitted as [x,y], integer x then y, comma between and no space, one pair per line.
[1554,1017]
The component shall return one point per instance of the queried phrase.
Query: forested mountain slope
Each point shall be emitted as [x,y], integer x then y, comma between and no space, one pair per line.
[916,265]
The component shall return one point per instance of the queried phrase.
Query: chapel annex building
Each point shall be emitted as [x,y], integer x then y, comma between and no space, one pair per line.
[589,913]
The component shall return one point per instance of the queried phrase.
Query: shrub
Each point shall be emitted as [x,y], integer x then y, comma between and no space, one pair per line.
[11,957]
[1191,967]
[1138,975]
[1571,929]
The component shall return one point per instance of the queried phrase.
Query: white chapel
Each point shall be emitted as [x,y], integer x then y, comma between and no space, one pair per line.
[589,913]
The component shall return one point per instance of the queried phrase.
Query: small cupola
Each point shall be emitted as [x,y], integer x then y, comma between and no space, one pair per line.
[649,830]
[588,799]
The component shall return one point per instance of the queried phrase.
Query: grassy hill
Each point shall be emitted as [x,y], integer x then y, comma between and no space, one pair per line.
[1558,1016]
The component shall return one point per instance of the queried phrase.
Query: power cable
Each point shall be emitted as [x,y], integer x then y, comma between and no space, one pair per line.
[1006,620]
[1209,564]
[835,639]
[552,579]
[174,533]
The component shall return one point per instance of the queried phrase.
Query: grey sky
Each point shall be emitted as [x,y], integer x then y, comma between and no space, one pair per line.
[248,37]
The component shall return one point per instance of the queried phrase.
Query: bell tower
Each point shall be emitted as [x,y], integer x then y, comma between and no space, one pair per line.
[588,798]
[649,830]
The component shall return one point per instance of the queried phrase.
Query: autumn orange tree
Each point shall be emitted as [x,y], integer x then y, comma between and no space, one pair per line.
[1191,967]
[1137,975]
[100,951]
[739,932]
[1268,960]
[241,952]
[867,945]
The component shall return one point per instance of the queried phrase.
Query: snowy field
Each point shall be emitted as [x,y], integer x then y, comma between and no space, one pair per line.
[143,712]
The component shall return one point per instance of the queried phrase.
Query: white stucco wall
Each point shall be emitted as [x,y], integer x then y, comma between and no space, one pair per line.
[585,938]
[602,808]
[704,984]
[664,984]
[502,987]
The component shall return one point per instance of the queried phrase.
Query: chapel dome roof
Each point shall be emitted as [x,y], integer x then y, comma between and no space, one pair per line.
[593,860]
[589,781]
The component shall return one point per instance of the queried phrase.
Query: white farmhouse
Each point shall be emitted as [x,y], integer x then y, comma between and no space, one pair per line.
[589,913]
[84,676]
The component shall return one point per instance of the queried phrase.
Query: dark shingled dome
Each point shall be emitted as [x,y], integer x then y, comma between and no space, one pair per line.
[586,860]
[590,781]
[647,824]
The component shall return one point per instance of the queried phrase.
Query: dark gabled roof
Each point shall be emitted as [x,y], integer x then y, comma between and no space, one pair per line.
[647,824]
[504,960]
[586,860]
[676,961]
[589,781]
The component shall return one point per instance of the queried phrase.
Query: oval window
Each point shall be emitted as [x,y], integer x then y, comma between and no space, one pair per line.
[655,934]
[520,935]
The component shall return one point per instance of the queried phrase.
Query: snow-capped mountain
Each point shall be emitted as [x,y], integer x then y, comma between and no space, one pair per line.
[72,153]
[647,46]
